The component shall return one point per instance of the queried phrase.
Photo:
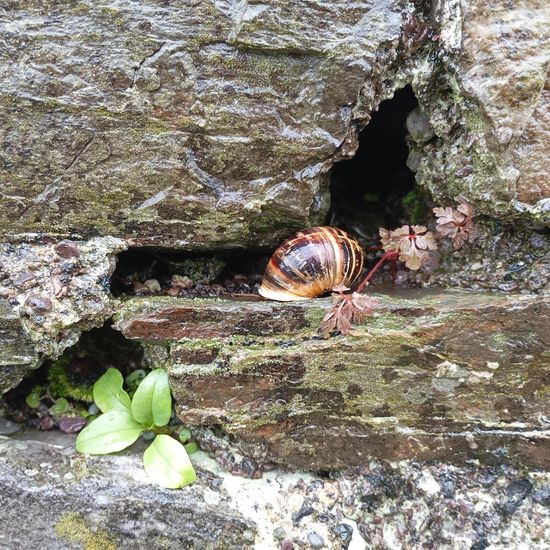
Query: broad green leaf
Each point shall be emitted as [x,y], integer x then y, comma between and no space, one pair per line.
[152,402]
[108,392]
[33,400]
[111,432]
[60,406]
[167,464]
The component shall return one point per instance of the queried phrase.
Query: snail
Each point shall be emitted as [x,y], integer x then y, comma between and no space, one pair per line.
[312,263]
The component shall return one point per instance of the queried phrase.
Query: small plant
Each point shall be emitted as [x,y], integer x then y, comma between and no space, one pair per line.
[413,245]
[123,420]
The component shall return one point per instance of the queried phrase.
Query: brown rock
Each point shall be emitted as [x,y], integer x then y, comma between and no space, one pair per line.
[433,375]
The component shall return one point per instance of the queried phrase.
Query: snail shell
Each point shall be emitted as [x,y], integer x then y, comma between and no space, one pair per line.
[312,263]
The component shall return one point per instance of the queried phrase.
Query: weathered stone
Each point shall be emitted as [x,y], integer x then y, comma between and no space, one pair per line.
[489,108]
[17,353]
[106,502]
[62,296]
[206,125]
[88,502]
[434,374]
[194,124]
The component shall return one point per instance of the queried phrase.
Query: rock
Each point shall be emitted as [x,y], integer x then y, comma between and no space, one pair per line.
[17,353]
[490,110]
[345,532]
[315,540]
[208,126]
[305,510]
[107,499]
[7,427]
[418,126]
[516,492]
[202,124]
[428,484]
[75,499]
[428,376]
[152,286]
[63,297]
[409,518]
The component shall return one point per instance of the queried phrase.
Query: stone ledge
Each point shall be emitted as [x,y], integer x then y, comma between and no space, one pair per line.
[448,375]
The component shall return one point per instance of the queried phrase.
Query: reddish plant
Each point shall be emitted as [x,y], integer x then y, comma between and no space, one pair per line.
[412,244]
[457,224]
[346,309]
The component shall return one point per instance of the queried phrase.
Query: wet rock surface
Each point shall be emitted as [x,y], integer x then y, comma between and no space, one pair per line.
[433,375]
[489,108]
[76,500]
[194,124]
[208,125]
[50,292]
[85,502]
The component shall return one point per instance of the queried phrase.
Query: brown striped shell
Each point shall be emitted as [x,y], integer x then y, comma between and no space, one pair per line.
[312,263]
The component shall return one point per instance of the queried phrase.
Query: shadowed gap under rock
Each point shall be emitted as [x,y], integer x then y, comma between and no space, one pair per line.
[375,188]
[149,271]
[72,375]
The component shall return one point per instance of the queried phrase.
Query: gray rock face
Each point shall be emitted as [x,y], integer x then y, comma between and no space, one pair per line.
[106,502]
[191,124]
[78,502]
[489,108]
[49,293]
[214,124]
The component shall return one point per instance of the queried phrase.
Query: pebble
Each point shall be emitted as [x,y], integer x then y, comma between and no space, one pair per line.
[316,540]
[517,491]
[152,285]
[305,510]
[345,532]
[537,242]
[279,533]
[39,303]
[67,249]
[428,484]
[71,424]
[181,281]
[542,495]
[7,427]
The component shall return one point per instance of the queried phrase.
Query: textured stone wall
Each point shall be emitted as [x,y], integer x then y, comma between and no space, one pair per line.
[213,124]
[433,375]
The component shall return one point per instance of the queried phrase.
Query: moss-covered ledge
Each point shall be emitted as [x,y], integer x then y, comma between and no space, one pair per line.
[452,375]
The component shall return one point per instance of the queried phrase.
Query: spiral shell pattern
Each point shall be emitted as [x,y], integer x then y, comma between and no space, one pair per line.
[312,263]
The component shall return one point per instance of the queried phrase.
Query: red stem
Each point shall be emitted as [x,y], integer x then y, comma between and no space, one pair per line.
[389,255]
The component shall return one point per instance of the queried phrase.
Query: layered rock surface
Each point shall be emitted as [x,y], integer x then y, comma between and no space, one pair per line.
[205,125]
[435,375]
[107,502]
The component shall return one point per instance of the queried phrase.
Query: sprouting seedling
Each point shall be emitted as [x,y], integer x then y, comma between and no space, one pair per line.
[124,420]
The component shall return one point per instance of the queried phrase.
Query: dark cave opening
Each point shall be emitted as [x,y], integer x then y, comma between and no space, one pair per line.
[376,188]
[35,401]
[157,271]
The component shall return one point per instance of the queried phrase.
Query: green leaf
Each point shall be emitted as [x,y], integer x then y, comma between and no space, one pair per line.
[191,447]
[167,463]
[33,400]
[111,432]
[108,392]
[152,402]
[60,406]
